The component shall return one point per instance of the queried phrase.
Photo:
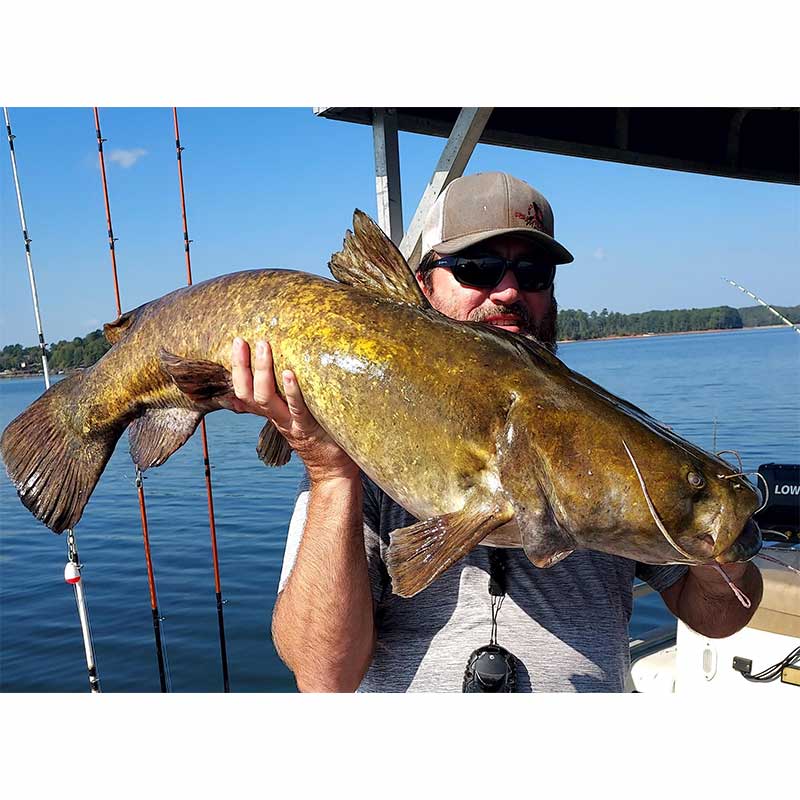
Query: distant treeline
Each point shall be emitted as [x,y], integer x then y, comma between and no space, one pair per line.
[63,355]
[572,324]
[594,325]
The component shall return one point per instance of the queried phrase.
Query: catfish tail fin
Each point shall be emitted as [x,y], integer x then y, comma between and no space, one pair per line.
[53,465]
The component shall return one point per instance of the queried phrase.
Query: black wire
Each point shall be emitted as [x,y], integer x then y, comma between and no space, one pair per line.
[497,586]
[774,672]
[497,604]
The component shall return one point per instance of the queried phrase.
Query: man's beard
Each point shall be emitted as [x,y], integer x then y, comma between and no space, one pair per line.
[544,331]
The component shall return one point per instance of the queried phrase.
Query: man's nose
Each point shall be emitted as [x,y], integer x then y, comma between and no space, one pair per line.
[507,291]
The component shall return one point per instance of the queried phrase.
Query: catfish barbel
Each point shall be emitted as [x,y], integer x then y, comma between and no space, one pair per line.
[482,434]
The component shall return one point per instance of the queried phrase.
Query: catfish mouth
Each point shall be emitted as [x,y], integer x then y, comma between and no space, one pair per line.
[746,545]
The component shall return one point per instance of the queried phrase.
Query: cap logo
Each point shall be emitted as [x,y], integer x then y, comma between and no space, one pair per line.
[534,218]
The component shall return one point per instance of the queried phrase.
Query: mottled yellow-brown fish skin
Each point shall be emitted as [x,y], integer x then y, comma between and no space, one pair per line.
[379,376]
[437,412]
[420,402]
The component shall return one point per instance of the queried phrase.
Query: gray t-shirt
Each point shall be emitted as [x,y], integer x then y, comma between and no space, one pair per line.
[567,625]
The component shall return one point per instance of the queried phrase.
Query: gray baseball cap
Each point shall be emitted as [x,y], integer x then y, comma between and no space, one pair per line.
[477,207]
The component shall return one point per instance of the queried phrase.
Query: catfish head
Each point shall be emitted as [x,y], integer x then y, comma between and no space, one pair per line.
[596,475]
[714,519]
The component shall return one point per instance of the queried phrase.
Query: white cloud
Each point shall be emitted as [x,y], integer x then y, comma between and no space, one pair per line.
[127,158]
[599,254]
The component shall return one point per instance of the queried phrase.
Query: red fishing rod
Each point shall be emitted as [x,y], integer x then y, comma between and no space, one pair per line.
[206,462]
[139,482]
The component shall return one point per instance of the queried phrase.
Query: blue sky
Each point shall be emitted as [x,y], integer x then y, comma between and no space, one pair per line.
[277,188]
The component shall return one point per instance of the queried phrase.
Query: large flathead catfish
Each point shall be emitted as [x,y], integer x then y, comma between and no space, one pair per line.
[483,434]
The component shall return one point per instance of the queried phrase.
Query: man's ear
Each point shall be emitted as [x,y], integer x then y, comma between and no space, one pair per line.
[421,282]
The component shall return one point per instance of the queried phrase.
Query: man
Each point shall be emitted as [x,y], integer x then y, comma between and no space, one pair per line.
[489,256]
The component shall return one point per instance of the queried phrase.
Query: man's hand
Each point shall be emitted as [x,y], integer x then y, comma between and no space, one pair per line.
[322,625]
[256,393]
[713,581]
[705,602]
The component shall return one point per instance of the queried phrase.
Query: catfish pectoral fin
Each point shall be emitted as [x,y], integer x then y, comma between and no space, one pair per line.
[545,560]
[544,541]
[272,447]
[198,380]
[159,432]
[53,463]
[421,552]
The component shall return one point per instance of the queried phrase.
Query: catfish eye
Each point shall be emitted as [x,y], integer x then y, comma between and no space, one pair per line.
[695,480]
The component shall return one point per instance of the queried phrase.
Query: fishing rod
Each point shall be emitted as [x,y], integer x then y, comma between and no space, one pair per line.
[157,618]
[27,240]
[72,570]
[768,307]
[206,462]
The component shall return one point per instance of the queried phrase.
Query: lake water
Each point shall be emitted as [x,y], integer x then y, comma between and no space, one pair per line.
[749,381]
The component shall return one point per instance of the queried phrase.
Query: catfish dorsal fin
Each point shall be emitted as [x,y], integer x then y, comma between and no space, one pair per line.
[370,260]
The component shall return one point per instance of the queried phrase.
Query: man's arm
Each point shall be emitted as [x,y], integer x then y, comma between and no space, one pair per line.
[322,625]
[704,601]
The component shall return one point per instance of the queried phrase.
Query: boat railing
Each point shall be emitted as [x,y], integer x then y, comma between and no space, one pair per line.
[654,639]
[642,589]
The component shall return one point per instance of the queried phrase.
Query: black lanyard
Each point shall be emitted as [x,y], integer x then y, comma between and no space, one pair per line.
[497,585]
[492,668]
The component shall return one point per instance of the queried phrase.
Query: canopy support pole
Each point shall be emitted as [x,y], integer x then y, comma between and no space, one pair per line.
[387,173]
[466,133]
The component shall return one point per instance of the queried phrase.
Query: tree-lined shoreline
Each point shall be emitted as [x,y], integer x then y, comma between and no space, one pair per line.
[62,356]
[574,325]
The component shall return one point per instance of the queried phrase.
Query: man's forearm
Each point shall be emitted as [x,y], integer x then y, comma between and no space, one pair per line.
[323,623]
[705,602]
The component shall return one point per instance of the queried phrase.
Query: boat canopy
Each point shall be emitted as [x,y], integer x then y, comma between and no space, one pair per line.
[761,144]
[756,143]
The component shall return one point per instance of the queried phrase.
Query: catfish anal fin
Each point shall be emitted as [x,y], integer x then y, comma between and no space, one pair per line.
[371,261]
[159,432]
[198,380]
[420,553]
[272,447]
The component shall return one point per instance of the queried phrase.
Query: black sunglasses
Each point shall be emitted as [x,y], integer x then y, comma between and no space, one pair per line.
[486,272]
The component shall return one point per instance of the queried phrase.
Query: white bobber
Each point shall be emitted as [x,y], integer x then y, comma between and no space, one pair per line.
[72,573]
